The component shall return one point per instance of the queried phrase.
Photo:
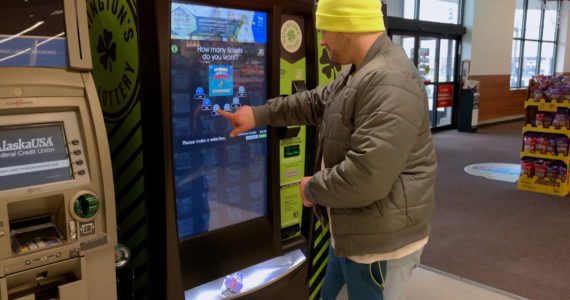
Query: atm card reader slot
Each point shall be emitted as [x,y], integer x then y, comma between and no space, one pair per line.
[34,234]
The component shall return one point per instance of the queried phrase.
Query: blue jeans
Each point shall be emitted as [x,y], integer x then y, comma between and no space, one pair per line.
[363,281]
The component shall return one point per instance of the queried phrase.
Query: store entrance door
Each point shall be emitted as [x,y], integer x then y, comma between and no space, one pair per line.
[436,60]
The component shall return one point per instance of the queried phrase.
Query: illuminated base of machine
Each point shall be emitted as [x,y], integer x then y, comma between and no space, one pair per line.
[249,280]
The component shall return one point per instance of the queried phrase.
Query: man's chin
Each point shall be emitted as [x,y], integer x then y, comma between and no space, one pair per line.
[335,60]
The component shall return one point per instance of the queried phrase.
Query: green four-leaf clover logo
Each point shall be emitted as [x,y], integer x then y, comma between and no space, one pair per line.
[108,50]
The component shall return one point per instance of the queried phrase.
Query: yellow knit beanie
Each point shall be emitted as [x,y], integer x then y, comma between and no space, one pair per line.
[350,16]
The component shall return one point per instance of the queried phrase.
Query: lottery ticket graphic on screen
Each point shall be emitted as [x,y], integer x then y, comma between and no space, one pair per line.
[219,62]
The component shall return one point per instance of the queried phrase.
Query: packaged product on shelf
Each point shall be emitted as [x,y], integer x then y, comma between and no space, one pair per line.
[541,144]
[548,118]
[527,168]
[540,169]
[538,94]
[560,93]
[554,82]
[560,119]
[562,146]
[552,173]
[551,88]
[529,143]
[544,82]
[539,120]
[565,93]
[551,145]
[562,174]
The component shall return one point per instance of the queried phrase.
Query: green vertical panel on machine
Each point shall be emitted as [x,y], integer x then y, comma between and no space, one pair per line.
[114,47]
[321,235]
[292,150]
[292,170]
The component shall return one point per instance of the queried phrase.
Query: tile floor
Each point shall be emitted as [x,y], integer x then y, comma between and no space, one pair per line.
[431,284]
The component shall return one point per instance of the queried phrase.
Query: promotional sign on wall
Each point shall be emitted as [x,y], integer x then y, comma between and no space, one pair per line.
[444,95]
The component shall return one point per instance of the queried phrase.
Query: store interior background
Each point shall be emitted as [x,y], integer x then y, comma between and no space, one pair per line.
[483,231]
[487,231]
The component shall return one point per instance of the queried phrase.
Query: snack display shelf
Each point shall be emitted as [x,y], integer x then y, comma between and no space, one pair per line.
[534,184]
[559,157]
[547,106]
[539,129]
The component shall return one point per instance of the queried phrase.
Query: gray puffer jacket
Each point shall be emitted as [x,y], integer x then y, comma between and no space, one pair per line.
[376,144]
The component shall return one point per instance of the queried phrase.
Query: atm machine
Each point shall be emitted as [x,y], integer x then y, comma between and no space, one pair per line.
[57,209]
[215,212]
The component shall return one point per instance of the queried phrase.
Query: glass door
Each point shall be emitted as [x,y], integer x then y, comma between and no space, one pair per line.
[427,67]
[445,83]
[436,61]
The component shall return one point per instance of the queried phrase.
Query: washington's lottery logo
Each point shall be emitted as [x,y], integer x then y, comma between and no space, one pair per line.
[291,36]
[114,47]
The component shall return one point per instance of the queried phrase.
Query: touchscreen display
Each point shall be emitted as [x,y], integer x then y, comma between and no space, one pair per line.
[218,58]
[33,155]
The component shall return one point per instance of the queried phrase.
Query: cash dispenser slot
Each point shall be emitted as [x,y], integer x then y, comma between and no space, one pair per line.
[62,281]
[36,224]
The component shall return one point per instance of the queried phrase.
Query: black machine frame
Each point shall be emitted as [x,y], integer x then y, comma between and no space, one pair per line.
[209,256]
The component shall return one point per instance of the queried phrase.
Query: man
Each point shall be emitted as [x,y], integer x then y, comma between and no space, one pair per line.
[377,181]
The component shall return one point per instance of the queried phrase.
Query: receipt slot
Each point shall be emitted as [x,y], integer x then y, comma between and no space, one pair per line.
[57,207]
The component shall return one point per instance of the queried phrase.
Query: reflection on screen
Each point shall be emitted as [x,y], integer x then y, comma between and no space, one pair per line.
[33,155]
[32,33]
[218,62]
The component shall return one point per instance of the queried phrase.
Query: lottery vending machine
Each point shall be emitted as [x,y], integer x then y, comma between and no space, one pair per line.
[57,209]
[218,205]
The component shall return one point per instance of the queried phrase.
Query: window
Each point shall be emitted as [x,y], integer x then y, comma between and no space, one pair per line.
[401,8]
[440,11]
[535,40]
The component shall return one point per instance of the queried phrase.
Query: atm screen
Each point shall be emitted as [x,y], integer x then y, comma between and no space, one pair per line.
[33,155]
[32,33]
[218,59]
